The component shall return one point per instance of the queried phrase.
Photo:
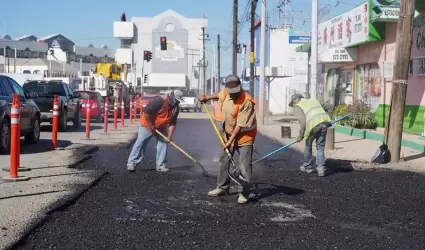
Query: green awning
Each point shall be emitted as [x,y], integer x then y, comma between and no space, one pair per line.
[303,48]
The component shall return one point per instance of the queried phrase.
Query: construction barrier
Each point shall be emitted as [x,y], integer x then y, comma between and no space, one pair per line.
[15,140]
[88,120]
[122,112]
[134,109]
[105,116]
[116,113]
[130,111]
[55,121]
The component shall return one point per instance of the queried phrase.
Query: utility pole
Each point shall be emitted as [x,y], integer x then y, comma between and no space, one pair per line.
[235,39]
[251,53]
[204,61]
[218,63]
[314,59]
[262,62]
[400,76]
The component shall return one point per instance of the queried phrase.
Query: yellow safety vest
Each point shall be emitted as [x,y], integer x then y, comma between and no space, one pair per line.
[314,114]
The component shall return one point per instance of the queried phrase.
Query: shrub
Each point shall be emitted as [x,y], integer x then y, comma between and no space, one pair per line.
[361,117]
[328,107]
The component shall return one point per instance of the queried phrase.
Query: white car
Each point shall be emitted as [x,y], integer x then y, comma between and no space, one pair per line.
[191,104]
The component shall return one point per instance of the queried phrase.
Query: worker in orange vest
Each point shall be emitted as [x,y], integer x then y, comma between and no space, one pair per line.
[240,130]
[160,114]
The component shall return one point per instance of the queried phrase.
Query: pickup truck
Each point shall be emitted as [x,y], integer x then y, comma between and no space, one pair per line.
[69,103]
[30,113]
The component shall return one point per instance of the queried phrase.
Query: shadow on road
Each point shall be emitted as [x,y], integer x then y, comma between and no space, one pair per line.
[72,129]
[42,146]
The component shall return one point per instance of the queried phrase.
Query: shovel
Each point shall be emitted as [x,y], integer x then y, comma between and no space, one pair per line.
[205,173]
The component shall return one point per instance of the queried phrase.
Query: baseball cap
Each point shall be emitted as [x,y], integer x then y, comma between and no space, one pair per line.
[232,78]
[294,97]
[178,95]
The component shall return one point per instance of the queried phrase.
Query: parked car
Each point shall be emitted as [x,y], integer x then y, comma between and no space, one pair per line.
[30,113]
[191,102]
[94,100]
[69,104]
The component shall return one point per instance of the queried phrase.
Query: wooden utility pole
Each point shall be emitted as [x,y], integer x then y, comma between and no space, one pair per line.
[218,63]
[235,39]
[251,53]
[400,76]
[204,60]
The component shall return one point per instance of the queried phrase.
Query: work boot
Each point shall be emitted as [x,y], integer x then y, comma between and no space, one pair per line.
[217,192]
[130,167]
[321,171]
[242,199]
[162,168]
[307,169]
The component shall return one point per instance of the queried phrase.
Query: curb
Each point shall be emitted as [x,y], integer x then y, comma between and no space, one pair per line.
[60,205]
[373,136]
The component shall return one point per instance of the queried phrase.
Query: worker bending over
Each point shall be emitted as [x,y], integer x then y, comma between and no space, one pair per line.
[160,114]
[314,123]
[240,129]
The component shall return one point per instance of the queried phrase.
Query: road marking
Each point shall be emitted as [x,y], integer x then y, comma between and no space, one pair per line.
[293,213]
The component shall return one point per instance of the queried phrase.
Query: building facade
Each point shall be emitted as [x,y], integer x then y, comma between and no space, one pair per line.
[181,61]
[53,54]
[356,55]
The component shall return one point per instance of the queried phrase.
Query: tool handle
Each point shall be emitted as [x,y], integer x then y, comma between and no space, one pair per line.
[214,125]
[177,147]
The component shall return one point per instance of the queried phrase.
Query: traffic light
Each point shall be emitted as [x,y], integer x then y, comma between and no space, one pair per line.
[139,82]
[163,43]
[147,55]
[146,78]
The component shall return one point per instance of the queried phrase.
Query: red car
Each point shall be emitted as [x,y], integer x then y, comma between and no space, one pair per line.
[93,100]
[145,100]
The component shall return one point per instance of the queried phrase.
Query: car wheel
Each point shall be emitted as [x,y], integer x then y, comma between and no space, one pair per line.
[78,119]
[34,135]
[5,136]
[63,121]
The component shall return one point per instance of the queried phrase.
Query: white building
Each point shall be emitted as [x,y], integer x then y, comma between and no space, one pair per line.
[28,54]
[174,67]
[283,43]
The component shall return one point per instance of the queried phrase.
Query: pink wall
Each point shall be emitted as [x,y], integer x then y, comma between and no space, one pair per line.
[379,52]
[416,85]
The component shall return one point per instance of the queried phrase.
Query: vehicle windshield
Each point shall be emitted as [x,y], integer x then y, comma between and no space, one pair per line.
[45,88]
[86,95]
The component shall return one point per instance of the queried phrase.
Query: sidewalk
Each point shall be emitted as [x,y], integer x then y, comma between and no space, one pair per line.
[55,178]
[349,148]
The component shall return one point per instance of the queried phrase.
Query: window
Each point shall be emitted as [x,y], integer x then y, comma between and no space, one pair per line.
[3,91]
[17,88]
[419,66]
[45,88]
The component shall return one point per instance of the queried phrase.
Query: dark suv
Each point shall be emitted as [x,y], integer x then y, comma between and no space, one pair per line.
[30,113]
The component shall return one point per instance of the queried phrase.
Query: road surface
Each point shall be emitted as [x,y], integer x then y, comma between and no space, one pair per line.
[291,210]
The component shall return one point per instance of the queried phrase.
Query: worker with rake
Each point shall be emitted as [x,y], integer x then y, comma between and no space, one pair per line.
[314,123]
[240,129]
[159,119]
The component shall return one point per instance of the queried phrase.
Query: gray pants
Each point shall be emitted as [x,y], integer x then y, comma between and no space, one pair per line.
[244,167]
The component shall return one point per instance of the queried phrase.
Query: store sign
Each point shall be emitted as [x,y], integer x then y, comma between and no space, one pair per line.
[385,10]
[299,39]
[338,55]
[345,30]
[418,47]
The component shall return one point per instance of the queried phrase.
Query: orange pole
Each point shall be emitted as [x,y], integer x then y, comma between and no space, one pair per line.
[116,113]
[141,106]
[105,116]
[134,109]
[55,122]
[14,136]
[131,110]
[87,120]
[122,112]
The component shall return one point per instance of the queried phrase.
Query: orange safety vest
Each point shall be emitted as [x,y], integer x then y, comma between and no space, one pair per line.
[163,117]
[246,134]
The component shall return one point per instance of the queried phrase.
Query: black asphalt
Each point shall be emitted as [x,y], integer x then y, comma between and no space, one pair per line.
[291,210]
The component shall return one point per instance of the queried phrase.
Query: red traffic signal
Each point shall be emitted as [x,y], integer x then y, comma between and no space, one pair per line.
[163,43]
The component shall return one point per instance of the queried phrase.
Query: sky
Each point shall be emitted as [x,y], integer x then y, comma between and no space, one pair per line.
[91,22]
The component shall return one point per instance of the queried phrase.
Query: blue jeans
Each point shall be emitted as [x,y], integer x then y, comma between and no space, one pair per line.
[319,134]
[141,144]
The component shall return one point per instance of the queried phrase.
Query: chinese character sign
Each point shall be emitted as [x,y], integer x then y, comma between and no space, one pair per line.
[349,28]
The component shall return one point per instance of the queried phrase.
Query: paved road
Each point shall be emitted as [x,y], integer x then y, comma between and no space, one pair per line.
[149,210]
